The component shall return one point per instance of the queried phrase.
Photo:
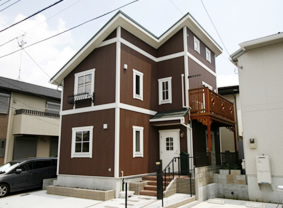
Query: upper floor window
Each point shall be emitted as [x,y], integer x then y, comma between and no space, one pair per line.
[82,141]
[137,141]
[52,107]
[165,90]
[196,45]
[208,55]
[137,84]
[84,82]
[4,103]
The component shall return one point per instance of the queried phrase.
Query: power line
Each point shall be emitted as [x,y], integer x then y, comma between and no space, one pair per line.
[31,15]
[9,5]
[5,2]
[35,43]
[36,63]
[42,21]
[215,28]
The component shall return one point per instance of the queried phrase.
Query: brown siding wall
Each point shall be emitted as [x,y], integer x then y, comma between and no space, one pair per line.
[112,35]
[138,42]
[103,144]
[202,55]
[196,82]
[173,45]
[139,165]
[172,68]
[136,61]
[104,61]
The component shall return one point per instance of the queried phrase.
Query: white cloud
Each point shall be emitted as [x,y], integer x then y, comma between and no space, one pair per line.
[50,55]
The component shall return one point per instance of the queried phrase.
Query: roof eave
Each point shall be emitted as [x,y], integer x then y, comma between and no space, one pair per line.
[121,19]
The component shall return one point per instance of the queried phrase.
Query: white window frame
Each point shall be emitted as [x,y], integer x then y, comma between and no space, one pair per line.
[160,90]
[135,153]
[208,55]
[140,74]
[75,154]
[196,44]
[77,75]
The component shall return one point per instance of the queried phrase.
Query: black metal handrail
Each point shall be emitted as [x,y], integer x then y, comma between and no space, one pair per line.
[183,168]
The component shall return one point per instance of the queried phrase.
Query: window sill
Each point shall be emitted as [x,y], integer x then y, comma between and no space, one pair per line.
[81,155]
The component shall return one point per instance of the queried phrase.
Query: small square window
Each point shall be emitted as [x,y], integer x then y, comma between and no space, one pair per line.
[165,90]
[208,54]
[137,141]
[196,45]
[137,85]
[82,141]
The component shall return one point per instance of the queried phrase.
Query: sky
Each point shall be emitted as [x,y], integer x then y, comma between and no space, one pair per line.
[229,22]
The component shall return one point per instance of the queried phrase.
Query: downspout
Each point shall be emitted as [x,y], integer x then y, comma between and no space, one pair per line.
[237,129]
[183,99]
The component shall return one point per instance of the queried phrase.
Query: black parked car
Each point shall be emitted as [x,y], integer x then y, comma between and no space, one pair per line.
[26,174]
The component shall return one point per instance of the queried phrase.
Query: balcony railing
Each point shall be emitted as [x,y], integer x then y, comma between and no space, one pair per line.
[37,113]
[206,102]
[81,97]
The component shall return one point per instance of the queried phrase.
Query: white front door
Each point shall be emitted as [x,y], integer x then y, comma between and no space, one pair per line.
[169,146]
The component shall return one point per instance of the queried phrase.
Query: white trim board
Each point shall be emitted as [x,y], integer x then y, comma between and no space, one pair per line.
[159,59]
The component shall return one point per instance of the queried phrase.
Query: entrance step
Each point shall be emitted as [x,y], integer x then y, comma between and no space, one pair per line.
[151,188]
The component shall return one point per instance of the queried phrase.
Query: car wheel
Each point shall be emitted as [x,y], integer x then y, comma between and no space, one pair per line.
[4,189]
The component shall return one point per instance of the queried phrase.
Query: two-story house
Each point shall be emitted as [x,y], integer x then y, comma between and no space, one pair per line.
[131,98]
[29,120]
[259,64]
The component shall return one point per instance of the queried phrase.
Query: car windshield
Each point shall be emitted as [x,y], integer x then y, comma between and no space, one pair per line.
[7,167]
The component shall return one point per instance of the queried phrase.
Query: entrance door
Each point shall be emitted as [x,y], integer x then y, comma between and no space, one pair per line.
[169,146]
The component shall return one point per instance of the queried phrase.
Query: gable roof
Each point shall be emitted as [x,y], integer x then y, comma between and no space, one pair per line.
[121,19]
[257,43]
[23,87]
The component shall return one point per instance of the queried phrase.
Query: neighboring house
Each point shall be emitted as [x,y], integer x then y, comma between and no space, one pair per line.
[29,120]
[260,76]
[126,98]
[227,135]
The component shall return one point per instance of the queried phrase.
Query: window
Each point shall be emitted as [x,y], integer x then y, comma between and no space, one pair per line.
[84,82]
[137,141]
[52,107]
[169,144]
[137,85]
[196,45]
[4,103]
[2,147]
[208,54]
[165,90]
[82,141]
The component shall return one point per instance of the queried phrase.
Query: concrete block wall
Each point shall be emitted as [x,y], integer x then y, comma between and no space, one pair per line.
[231,184]
[137,187]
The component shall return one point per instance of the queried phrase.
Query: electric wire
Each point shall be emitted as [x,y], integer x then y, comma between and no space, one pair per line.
[37,64]
[5,2]
[42,21]
[72,28]
[9,5]
[215,28]
[31,15]
[225,58]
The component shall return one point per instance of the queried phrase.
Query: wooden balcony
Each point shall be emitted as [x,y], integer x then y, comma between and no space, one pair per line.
[205,104]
